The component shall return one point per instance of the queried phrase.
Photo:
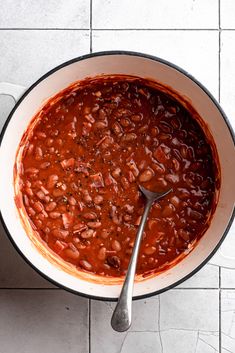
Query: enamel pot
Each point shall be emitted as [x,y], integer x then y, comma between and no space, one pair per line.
[129,63]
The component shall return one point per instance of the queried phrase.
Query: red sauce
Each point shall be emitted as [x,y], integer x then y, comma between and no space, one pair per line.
[87,151]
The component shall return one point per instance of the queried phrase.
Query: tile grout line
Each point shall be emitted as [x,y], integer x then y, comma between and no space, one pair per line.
[220,343]
[114,29]
[90,26]
[89,326]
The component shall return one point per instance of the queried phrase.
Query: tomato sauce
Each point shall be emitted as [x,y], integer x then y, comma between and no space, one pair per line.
[88,150]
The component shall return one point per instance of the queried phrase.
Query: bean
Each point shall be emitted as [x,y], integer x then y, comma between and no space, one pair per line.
[87,198]
[58,192]
[133,167]
[160,169]
[175,201]
[128,208]
[105,233]
[143,164]
[72,201]
[68,163]
[102,114]
[100,125]
[31,170]
[67,219]
[59,246]
[29,191]
[117,129]
[162,182]
[60,233]
[116,245]
[49,142]
[127,217]
[90,215]
[168,210]
[165,127]
[94,225]
[143,129]
[40,194]
[114,261]
[176,164]
[114,215]
[150,250]
[52,180]
[102,254]
[172,178]
[44,165]
[86,234]
[153,223]
[116,173]
[38,206]
[184,234]
[54,215]
[183,151]
[26,200]
[38,153]
[86,265]
[129,137]
[125,122]
[137,117]
[31,211]
[41,135]
[194,214]
[154,131]
[125,183]
[98,199]
[51,206]
[30,149]
[72,253]
[146,175]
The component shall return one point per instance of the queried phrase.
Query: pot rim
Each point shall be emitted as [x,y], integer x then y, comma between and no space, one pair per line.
[128,53]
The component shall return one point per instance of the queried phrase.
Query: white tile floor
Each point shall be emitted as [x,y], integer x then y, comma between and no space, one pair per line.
[198,35]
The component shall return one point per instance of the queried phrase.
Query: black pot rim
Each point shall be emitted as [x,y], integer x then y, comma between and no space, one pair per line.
[146,56]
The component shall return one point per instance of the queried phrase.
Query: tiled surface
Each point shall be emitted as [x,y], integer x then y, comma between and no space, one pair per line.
[36,36]
[43,321]
[177,321]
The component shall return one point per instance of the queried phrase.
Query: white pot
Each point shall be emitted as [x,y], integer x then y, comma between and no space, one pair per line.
[131,64]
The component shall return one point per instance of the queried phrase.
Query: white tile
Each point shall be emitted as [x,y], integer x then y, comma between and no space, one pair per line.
[227,11]
[145,322]
[227,74]
[228,320]
[195,310]
[194,51]
[189,321]
[207,277]
[43,321]
[14,272]
[6,105]
[155,14]
[45,14]
[227,278]
[26,55]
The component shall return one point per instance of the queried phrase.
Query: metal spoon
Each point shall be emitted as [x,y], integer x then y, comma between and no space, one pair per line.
[121,319]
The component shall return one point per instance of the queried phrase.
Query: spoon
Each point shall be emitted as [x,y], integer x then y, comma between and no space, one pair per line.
[121,319]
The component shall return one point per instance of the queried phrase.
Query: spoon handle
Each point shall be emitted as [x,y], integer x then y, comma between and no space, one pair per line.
[121,319]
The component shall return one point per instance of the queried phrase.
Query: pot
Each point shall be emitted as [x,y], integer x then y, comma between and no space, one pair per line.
[129,63]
